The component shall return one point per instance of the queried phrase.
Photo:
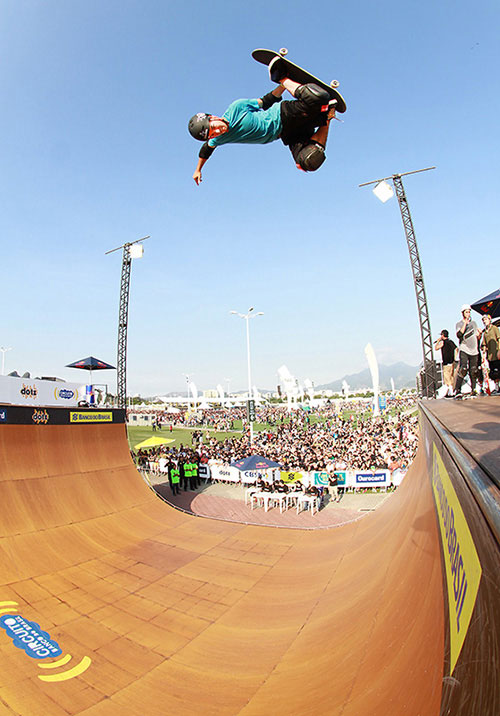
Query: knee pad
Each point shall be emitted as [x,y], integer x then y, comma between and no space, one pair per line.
[312,95]
[310,157]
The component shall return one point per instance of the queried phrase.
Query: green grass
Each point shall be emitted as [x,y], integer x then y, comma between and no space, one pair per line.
[180,436]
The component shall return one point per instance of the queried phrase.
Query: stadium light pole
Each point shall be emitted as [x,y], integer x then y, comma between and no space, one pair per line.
[247,316]
[188,377]
[131,250]
[383,191]
[4,351]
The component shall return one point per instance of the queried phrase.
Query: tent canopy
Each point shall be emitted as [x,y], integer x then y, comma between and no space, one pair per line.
[91,363]
[254,462]
[153,442]
[489,304]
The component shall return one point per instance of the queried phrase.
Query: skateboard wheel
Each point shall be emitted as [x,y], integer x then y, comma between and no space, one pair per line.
[334,84]
[283,51]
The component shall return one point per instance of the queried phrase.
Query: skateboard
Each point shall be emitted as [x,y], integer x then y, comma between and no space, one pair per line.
[486,372]
[297,74]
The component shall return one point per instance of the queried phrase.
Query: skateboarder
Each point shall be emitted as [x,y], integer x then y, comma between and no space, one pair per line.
[302,124]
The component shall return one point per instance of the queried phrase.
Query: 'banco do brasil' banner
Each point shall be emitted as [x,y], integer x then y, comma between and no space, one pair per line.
[96,416]
[463,568]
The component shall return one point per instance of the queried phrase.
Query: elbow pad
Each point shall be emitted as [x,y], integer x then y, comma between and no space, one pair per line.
[206,151]
[269,99]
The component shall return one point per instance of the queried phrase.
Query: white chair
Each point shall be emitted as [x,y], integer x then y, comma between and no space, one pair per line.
[309,501]
[281,499]
[249,492]
[255,498]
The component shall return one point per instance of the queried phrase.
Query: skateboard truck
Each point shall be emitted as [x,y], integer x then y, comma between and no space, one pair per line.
[283,51]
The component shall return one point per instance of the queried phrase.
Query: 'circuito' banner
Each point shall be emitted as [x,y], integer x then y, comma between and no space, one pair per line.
[463,568]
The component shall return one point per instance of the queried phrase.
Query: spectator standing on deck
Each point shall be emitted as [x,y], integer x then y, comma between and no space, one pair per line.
[468,334]
[447,347]
[490,342]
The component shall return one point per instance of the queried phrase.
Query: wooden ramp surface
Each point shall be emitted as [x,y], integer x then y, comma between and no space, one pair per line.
[162,613]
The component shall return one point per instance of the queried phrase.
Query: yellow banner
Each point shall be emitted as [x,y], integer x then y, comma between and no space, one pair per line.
[463,568]
[97,417]
[290,476]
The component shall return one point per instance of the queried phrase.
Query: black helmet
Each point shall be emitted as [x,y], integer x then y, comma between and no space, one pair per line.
[198,126]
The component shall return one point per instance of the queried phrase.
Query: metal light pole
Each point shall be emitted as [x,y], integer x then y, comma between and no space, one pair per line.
[131,250]
[383,191]
[4,351]
[188,377]
[247,316]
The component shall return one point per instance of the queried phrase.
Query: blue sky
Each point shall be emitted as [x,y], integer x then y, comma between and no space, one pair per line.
[96,96]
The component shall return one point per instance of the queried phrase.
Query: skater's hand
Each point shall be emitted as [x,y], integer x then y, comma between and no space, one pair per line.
[331,113]
[197,177]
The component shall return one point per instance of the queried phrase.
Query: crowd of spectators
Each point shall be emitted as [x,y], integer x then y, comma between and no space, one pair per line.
[305,441]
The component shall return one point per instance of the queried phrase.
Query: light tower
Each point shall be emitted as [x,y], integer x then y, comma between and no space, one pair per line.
[131,250]
[383,191]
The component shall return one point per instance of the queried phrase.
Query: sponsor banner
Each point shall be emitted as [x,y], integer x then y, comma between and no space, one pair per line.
[28,637]
[227,474]
[203,472]
[341,478]
[250,476]
[21,391]
[40,416]
[291,476]
[94,416]
[32,415]
[320,478]
[463,568]
[381,478]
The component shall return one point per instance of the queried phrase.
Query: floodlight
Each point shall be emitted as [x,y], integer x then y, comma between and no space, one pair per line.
[136,251]
[383,191]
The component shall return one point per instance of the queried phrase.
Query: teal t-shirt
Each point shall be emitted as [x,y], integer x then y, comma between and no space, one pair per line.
[249,124]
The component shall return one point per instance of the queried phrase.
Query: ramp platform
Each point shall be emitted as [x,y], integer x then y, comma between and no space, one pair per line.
[114,603]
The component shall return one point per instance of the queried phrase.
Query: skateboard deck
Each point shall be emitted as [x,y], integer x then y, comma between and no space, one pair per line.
[297,74]
[486,372]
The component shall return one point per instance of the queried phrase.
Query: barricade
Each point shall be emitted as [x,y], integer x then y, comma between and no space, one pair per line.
[348,480]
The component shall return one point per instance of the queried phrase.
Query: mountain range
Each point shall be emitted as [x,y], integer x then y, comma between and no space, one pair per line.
[404,376]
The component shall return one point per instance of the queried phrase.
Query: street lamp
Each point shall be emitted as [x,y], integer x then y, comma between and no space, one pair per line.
[384,192]
[247,316]
[4,351]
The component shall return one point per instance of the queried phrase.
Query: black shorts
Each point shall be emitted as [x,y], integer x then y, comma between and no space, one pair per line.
[495,369]
[300,119]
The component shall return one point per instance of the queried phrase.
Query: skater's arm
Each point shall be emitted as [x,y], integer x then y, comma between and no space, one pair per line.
[205,154]
[271,97]
[321,135]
